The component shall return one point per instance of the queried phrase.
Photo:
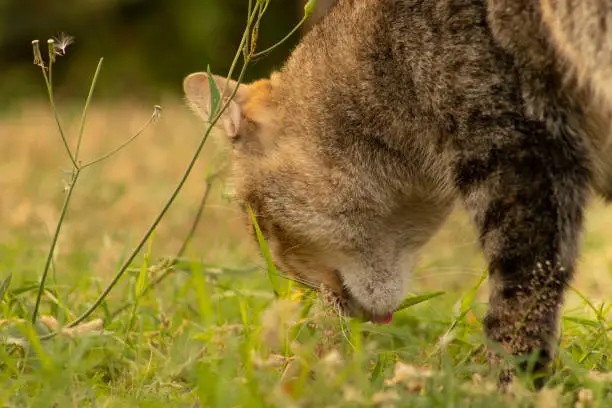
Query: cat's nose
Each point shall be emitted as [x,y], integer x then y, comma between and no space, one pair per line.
[356,310]
[382,319]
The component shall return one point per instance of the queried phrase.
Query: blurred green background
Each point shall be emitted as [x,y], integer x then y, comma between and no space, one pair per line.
[148,45]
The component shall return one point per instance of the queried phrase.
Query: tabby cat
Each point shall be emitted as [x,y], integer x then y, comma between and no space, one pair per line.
[390,111]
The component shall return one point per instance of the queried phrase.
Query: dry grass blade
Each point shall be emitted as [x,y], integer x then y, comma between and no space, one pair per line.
[82,329]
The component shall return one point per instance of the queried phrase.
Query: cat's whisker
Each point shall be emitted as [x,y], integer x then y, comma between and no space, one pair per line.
[291,248]
[306,282]
[432,276]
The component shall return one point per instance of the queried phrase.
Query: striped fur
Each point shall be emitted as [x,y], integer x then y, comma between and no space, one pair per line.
[387,113]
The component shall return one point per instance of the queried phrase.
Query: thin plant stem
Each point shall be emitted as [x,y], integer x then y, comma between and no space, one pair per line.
[159,217]
[241,47]
[179,186]
[169,268]
[269,49]
[58,228]
[84,117]
[124,144]
[76,171]
[209,180]
[196,219]
[146,290]
[49,86]
[248,18]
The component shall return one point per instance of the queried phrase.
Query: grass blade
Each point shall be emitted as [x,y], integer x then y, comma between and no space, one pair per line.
[273,275]
[5,285]
[85,108]
[465,304]
[415,300]
[215,97]
[143,273]
[583,322]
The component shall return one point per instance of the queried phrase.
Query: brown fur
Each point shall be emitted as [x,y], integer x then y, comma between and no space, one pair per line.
[582,32]
[387,113]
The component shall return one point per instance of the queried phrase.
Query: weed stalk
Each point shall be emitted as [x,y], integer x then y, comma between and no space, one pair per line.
[77,166]
[255,16]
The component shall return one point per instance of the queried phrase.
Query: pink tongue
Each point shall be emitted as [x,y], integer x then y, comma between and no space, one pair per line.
[386,319]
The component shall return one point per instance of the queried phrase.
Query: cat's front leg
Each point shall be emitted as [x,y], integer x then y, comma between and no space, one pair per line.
[526,189]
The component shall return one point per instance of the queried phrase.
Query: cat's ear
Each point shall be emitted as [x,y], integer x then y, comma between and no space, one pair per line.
[198,92]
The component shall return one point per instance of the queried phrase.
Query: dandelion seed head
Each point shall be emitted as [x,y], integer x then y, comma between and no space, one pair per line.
[61,43]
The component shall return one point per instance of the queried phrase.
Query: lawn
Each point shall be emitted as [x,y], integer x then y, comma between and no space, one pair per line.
[212,332]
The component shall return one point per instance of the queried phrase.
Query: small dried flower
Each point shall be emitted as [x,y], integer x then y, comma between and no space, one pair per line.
[548,398]
[37,55]
[277,321]
[11,321]
[61,42]
[584,399]
[275,361]
[480,386]
[157,112]
[600,377]
[353,395]
[83,328]
[52,52]
[412,377]
[385,398]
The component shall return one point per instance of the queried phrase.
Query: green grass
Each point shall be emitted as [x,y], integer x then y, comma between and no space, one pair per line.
[211,331]
[216,336]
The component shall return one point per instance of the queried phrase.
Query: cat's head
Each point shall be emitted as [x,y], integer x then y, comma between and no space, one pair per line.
[326,223]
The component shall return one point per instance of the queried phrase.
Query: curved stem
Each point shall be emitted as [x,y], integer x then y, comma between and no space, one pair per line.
[82,126]
[241,47]
[124,144]
[159,217]
[58,228]
[269,49]
[177,189]
[196,220]
[49,85]
[170,266]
